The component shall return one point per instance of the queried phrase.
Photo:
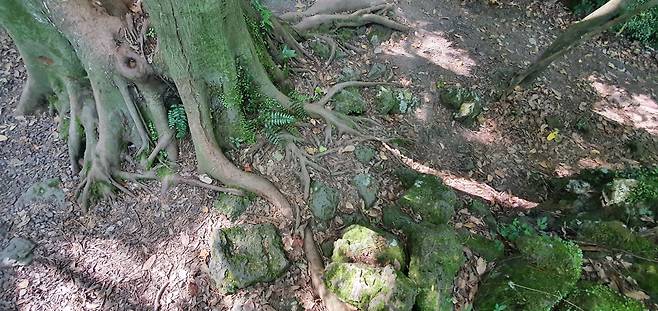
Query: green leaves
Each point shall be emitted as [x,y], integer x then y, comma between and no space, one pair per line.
[177,120]
[265,15]
[288,53]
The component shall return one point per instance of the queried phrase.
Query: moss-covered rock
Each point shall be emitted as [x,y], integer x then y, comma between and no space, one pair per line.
[244,255]
[320,49]
[232,206]
[350,102]
[619,191]
[646,275]
[370,288]
[614,235]
[45,191]
[544,273]
[435,258]
[323,201]
[364,245]
[431,199]
[367,187]
[364,154]
[591,296]
[377,71]
[466,102]
[395,100]
[491,250]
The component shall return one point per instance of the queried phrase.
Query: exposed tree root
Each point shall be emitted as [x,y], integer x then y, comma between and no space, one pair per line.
[174,180]
[332,7]
[316,269]
[356,19]
[303,161]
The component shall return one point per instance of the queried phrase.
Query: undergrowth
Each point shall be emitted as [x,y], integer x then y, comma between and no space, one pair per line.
[643,27]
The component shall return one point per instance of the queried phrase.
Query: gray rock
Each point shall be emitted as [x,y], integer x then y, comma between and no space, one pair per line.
[245,255]
[367,187]
[324,201]
[45,191]
[350,101]
[232,206]
[364,154]
[17,253]
[349,74]
[377,71]
[619,191]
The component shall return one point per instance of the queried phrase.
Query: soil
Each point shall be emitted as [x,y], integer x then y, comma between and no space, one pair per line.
[150,251]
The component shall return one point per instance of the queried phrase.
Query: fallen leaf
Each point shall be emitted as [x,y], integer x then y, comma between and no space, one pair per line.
[3,138]
[481,266]
[205,179]
[149,263]
[23,284]
[205,210]
[203,254]
[638,295]
[349,148]
[553,135]
[184,238]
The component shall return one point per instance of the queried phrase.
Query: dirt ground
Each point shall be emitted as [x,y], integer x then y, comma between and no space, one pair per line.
[150,252]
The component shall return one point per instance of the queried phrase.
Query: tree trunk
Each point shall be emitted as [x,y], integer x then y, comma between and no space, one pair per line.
[612,13]
[110,73]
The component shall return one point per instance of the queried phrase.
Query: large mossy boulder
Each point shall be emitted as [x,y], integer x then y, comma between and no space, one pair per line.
[324,201]
[370,288]
[364,245]
[245,255]
[350,102]
[435,258]
[431,199]
[615,235]
[541,275]
[591,296]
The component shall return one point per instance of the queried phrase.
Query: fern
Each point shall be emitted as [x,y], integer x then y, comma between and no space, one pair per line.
[265,15]
[177,120]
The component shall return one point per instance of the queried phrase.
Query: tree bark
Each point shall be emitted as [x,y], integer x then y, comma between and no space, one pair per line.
[612,13]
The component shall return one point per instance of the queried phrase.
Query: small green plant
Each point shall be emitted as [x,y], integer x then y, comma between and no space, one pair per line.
[500,307]
[150,33]
[265,15]
[287,53]
[642,27]
[542,223]
[177,120]
[515,230]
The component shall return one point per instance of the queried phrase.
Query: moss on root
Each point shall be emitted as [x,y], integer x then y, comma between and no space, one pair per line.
[614,235]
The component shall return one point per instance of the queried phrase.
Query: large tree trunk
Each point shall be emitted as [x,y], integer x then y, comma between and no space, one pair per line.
[110,72]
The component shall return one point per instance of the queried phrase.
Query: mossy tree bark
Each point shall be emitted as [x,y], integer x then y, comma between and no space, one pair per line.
[110,72]
[612,13]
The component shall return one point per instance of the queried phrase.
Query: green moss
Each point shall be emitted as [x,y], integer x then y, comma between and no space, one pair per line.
[364,154]
[364,245]
[430,198]
[370,288]
[350,102]
[244,255]
[591,296]
[646,275]
[232,206]
[614,235]
[544,273]
[491,250]
[435,258]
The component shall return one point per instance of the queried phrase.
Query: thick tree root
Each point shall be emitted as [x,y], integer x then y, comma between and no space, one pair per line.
[316,269]
[359,18]
[174,180]
[304,161]
[332,7]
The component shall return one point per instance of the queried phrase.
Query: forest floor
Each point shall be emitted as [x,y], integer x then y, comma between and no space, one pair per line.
[150,251]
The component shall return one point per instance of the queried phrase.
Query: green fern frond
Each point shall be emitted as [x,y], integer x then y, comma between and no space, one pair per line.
[177,120]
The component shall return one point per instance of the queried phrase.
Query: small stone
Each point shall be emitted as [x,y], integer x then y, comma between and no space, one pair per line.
[232,206]
[350,102]
[377,71]
[367,187]
[364,154]
[17,253]
[324,201]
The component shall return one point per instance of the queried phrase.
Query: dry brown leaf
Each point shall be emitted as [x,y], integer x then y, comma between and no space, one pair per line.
[481,266]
